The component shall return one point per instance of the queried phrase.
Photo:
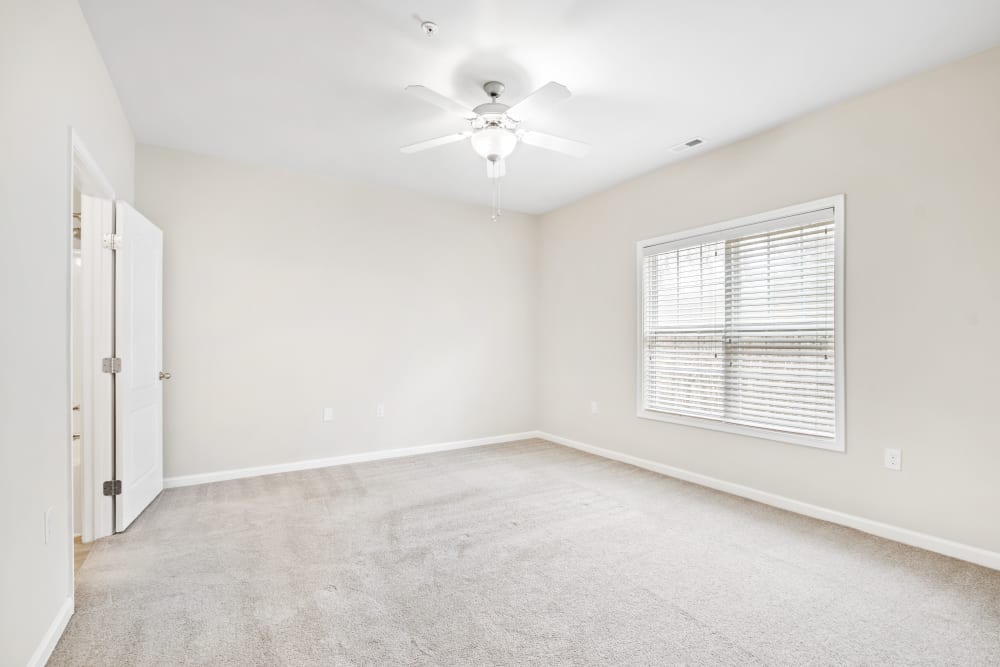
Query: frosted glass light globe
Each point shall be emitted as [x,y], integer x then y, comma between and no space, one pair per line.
[494,143]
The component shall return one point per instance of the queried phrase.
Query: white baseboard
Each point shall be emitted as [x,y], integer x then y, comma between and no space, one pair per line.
[52,635]
[939,545]
[223,475]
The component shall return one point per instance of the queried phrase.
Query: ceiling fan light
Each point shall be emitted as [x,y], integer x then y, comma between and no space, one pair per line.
[494,143]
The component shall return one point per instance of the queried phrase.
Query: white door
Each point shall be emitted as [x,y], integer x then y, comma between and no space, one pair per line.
[139,345]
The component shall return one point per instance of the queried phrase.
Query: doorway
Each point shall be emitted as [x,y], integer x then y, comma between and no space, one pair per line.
[115,347]
[80,548]
[91,339]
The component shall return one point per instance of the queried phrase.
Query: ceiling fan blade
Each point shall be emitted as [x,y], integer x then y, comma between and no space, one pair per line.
[434,143]
[439,100]
[552,143]
[546,96]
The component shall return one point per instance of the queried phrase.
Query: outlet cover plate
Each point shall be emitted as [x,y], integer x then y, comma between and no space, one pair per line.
[893,459]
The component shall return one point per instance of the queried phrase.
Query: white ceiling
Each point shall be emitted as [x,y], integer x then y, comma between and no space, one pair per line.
[318,84]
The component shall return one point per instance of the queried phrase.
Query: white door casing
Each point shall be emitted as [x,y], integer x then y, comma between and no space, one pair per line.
[139,345]
[97,399]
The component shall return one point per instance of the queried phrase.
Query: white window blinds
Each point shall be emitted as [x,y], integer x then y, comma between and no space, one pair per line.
[738,327]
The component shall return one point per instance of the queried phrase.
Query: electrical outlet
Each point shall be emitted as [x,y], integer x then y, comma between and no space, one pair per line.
[48,525]
[380,410]
[594,409]
[328,414]
[894,459]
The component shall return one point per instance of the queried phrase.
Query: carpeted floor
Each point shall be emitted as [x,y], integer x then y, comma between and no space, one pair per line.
[520,554]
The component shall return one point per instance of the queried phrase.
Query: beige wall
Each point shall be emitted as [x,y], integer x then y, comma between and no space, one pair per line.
[919,163]
[286,293]
[51,78]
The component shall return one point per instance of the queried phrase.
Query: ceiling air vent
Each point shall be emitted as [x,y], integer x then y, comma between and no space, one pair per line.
[687,145]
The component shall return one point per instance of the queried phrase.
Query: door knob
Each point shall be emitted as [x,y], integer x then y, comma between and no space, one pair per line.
[164,376]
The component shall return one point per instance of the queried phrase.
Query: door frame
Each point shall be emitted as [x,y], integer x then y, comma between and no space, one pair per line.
[97,418]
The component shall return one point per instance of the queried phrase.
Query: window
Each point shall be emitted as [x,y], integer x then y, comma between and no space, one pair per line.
[740,326]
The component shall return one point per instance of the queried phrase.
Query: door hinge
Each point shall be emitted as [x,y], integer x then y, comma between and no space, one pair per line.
[113,241]
[113,487]
[111,365]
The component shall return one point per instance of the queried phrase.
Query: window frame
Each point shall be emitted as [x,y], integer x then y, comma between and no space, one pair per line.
[731,229]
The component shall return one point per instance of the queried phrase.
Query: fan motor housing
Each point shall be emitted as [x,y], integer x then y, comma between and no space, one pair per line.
[494,89]
[491,108]
[492,115]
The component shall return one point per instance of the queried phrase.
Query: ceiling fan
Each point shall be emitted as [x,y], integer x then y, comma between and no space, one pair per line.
[494,128]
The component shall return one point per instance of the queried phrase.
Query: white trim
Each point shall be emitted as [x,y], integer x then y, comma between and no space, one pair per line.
[913,538]
[88,175]
[721,230]
[834,202]
[830,444]
[738,228]
[362,457]
[96,420]
[52,635]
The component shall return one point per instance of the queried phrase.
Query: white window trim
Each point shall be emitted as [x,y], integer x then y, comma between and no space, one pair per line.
[838,443]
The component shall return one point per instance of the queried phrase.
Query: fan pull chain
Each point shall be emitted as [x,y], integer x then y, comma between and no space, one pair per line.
[496,200]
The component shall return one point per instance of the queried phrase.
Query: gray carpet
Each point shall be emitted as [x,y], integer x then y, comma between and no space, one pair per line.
[520,554]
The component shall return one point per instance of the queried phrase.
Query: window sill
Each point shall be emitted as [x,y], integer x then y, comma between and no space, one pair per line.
[831,444]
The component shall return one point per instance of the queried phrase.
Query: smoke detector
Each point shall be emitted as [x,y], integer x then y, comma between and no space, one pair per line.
[430,28]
